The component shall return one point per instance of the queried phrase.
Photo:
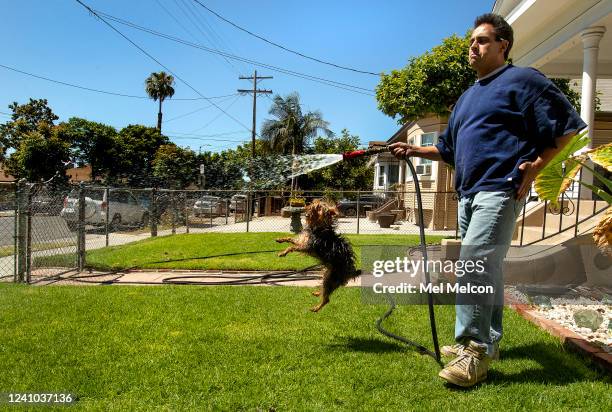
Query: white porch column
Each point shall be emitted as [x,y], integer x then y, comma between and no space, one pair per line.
[590,43]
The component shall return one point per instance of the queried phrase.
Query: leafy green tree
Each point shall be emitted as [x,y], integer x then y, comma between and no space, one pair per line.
[175,167]
[135,150]
[91,143]
[429,84]
[159,87]
[353,175]
[26,118]
[41,154]
[291,130]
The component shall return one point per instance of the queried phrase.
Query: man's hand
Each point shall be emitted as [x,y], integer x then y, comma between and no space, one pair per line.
[529,172]
[402,150]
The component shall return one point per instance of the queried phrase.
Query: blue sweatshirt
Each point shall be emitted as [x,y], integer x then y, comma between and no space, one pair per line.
[500,122]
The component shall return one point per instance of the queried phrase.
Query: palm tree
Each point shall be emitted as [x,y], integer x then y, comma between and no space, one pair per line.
[291,130]
[159,86]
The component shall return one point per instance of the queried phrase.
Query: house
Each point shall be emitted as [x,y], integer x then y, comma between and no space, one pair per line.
[4,177]
[435,178]
[79,174]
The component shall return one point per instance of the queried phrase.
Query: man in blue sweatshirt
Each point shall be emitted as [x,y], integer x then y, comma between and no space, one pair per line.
[503,130]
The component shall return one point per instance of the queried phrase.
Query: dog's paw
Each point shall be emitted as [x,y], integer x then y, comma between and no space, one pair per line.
[315,309]
[282,254]
[316,293]
[280,240]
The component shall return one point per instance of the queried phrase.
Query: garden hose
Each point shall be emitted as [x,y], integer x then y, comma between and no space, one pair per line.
[432,321]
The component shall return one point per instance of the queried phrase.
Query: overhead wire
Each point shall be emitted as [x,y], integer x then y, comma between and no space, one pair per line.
[283,47]
[198,110]
[321,80]
[195,22]
[37,76]
[160,63]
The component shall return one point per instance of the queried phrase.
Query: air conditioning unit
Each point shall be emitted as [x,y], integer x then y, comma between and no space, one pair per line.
[423,169]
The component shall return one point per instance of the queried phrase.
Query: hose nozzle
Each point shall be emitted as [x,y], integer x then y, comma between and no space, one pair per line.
[367,152]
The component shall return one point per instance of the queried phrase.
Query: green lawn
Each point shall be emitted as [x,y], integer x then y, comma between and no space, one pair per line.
[238,251]
[259,348]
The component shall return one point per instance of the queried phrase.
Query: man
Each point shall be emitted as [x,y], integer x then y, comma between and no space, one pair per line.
[503,130]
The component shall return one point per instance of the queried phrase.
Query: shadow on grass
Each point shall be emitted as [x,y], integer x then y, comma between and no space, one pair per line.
[367,345]
[556,367]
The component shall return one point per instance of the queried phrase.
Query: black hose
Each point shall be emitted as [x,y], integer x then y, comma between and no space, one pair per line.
[432,319]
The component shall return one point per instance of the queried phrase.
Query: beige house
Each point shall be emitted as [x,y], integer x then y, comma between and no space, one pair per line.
[4,177]
[435,178]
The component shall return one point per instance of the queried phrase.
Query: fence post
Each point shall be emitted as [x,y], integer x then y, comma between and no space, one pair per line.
[22,225]
[248,210]
[106,214]
[185,212]
[358,211]
[81,228]
[173,206]
[153,212]
[29,236]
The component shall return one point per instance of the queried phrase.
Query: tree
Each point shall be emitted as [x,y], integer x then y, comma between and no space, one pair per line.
[135,150]
[91,143]
[291,130]
[41,154]
[353,175]
[26,118]
[159,87]
[429,84]
[174,167]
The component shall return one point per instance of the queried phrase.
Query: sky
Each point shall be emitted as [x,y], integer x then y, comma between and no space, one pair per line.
[62,41]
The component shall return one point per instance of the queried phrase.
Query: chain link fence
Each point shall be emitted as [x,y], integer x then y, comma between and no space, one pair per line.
[47,231]
[8,207]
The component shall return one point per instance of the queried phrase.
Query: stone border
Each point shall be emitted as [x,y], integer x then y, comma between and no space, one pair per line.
[569,339]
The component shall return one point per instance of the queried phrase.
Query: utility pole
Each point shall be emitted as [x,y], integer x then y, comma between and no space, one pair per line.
[254,91]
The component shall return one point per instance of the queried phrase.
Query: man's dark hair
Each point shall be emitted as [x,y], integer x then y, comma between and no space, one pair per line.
[503,31]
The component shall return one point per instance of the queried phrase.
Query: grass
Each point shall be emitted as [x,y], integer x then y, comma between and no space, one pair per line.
[259,348]
[228,251]
[37,247]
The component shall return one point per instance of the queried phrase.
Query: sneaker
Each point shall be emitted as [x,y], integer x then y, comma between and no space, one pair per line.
[456,349]
[469,368]
[452,350]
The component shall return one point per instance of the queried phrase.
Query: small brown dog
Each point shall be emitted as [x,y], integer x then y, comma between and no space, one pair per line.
[320,240]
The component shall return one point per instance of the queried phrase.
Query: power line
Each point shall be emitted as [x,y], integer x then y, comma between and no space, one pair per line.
[286,48]
[102,91]
[208,135]
[193,111]
[160,63]
[205,139]
[332,83]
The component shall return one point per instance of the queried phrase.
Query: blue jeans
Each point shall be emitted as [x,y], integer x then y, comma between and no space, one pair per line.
[486,224]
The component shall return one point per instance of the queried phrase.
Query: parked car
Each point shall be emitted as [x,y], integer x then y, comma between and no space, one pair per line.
[124,209]
[348,207]
[209,205]
[47,204]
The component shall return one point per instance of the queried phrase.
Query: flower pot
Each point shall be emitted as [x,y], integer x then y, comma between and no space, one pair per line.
[386,219]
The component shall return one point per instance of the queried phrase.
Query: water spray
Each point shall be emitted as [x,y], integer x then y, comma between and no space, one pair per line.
[432,320]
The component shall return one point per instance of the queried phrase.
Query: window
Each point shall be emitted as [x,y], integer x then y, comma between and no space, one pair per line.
[393,174]
[381,175]
[427,139]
